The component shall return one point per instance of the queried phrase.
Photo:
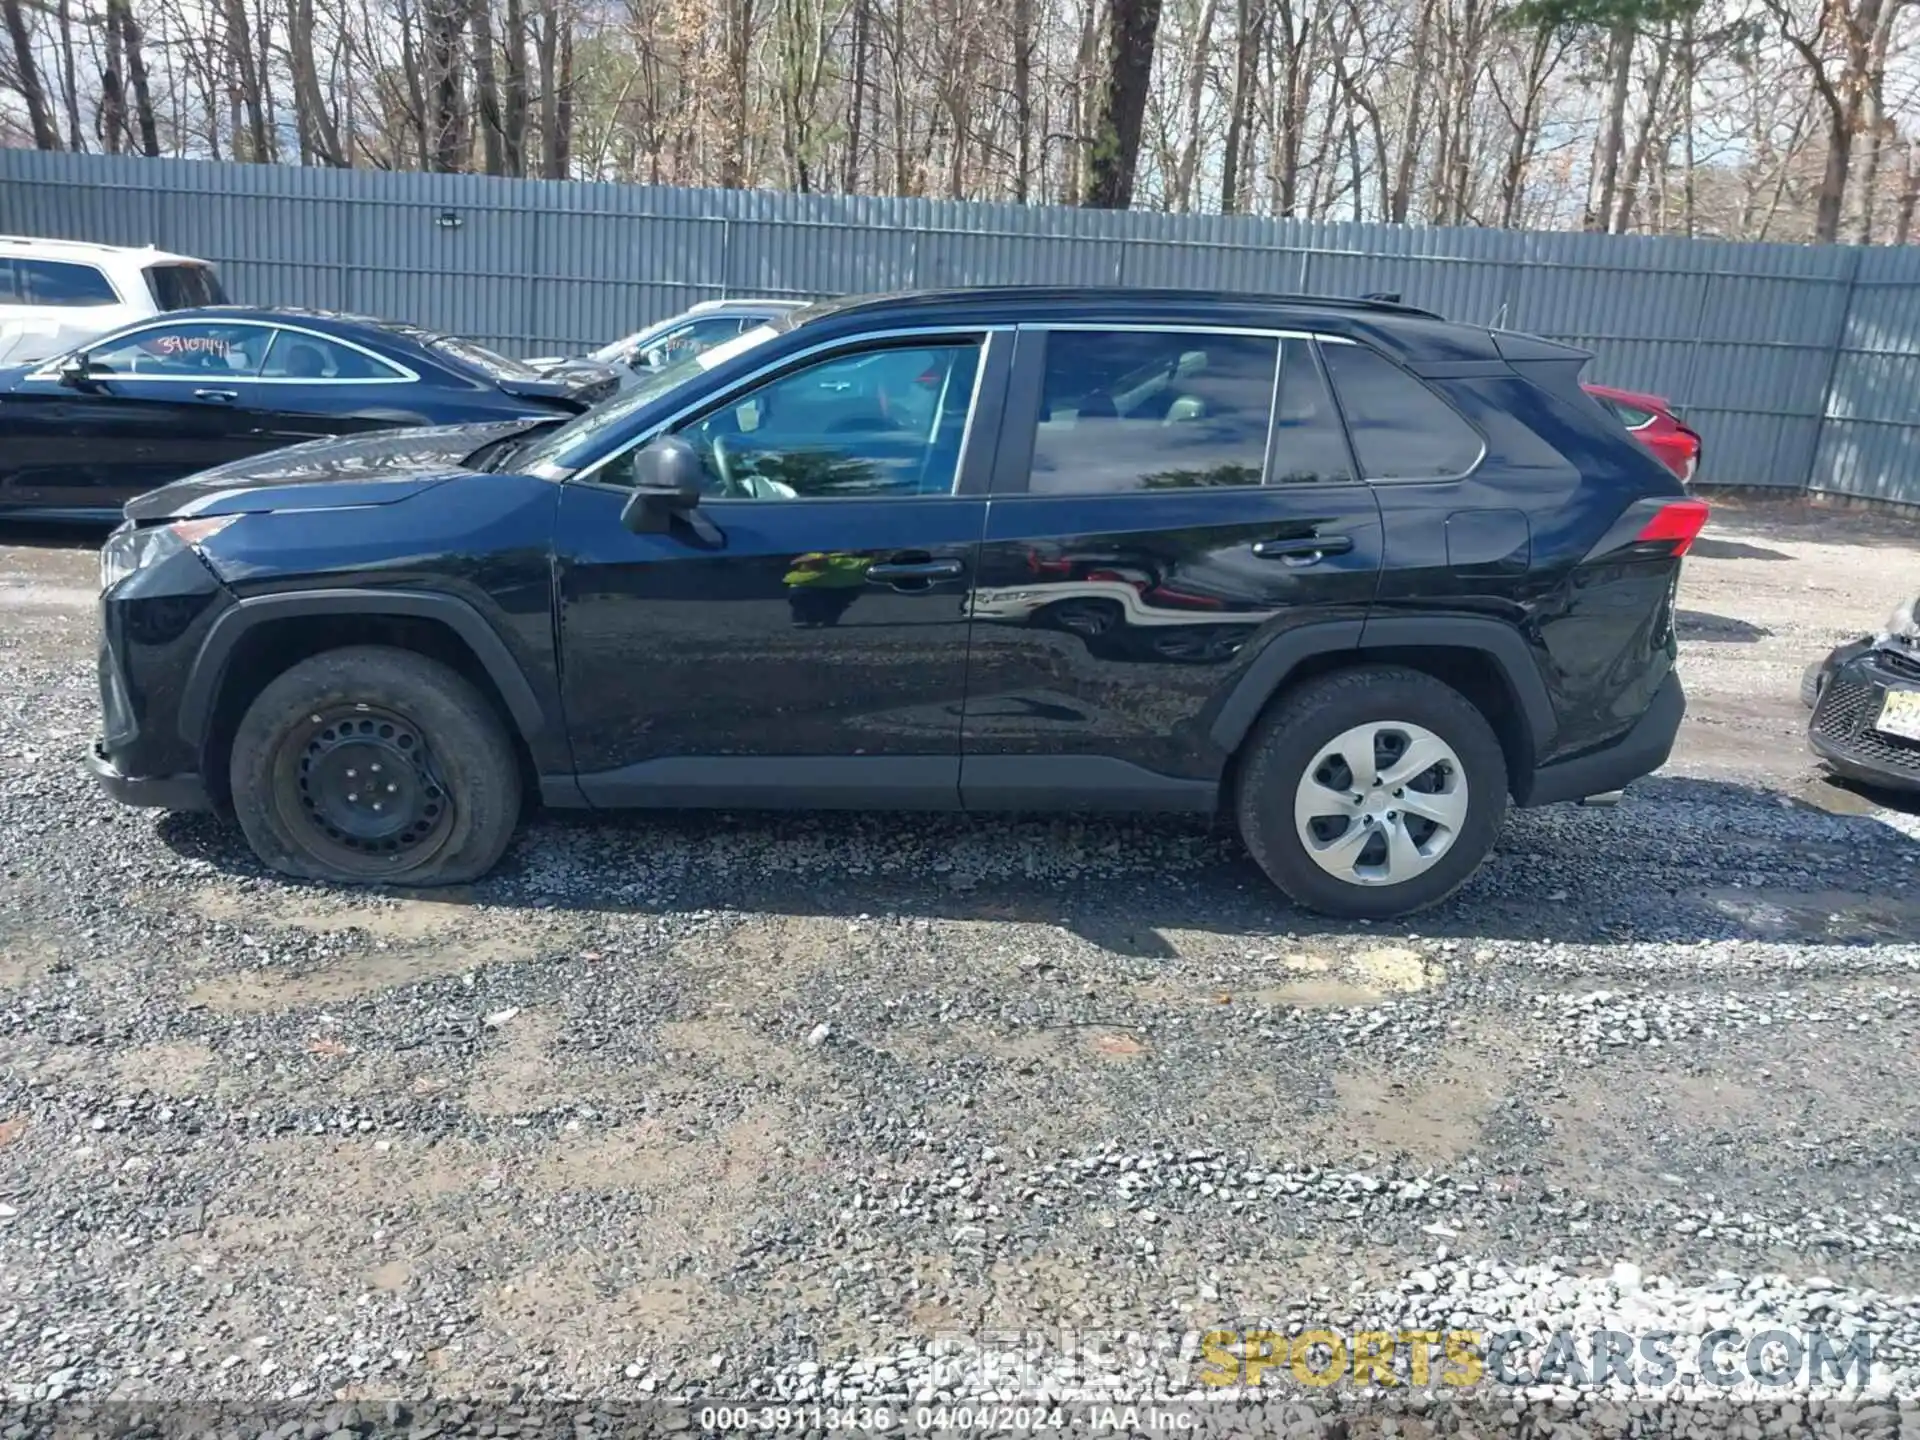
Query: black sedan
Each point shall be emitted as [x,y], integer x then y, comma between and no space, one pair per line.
[85,432]
[1866,705]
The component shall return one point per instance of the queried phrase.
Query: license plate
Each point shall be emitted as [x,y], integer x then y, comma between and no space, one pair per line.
[1900,714]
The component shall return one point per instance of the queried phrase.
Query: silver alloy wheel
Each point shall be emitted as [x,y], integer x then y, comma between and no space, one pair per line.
[1381,803]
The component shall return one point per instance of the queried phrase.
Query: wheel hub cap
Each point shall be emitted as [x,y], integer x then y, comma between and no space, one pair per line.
[1381,803]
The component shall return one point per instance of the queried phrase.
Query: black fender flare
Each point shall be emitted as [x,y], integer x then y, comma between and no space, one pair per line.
[210,664]
[1500,642]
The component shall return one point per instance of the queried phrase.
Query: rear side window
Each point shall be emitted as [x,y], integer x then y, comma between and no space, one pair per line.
[1401,430]
[1308,448]
[184,287]
[1142,410]
[297,355]
[59,283]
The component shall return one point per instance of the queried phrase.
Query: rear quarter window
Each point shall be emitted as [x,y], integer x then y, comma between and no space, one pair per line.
[184,287]
[1401,430]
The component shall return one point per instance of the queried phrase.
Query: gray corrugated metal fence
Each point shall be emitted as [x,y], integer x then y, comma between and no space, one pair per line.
[1800,366]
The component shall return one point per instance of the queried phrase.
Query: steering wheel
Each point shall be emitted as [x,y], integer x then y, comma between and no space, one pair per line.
[730,487]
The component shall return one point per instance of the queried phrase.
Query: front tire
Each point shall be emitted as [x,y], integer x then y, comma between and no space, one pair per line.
[369,764]
[1371,793]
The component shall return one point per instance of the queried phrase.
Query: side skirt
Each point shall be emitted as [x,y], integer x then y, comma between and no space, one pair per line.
[1057,783]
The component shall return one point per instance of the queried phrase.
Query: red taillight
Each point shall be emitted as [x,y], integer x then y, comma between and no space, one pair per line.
[1677,523]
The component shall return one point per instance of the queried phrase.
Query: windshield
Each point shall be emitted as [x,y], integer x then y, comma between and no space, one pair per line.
[487,362]
[565,448]
[618,350]
[464,353]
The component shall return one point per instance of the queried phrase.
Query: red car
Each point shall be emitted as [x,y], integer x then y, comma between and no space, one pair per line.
[1653,423]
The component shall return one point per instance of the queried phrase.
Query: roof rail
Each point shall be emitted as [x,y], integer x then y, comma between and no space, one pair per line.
[1382,297]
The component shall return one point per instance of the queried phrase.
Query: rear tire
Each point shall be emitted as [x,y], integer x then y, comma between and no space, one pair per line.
[373,765]
[1371,793]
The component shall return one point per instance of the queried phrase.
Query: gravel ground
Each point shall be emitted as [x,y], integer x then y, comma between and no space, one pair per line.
[810,1107]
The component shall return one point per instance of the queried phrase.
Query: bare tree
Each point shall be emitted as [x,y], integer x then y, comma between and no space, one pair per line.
[1785,119]
[319,135]
[1194,98]
[1131,28]
[1250,35]
[27,77]
[1844,45]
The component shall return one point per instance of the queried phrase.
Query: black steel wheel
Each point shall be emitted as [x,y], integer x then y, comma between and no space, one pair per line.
[369,763]
[367,786]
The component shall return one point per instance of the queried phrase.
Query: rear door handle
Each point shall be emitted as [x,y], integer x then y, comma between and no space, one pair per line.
[1303,549]
[219,397]
[892,572]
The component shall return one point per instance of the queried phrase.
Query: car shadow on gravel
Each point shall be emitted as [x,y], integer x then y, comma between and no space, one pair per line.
[1721,629]
[1786,519]
[1709,549]
[1682,860]
[63,535]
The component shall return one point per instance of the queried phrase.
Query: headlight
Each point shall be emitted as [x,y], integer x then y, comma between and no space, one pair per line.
[129,550]
[1904,623]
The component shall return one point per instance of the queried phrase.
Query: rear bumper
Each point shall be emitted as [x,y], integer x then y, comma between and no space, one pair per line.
[1842,731]
[169,792]
[1641,751]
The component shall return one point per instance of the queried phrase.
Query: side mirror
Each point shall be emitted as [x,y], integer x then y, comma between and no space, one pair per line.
[75,371]
[667,472]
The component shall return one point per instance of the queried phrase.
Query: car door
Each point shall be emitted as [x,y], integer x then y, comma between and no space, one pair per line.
[312,386]
[800,638]
[155,403]
[1166,500]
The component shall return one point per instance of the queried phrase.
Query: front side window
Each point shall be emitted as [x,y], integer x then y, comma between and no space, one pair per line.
[1152,410]
[60,282]
[875,424]
[188,352]
[184,287]
[298,355]
[1401,430]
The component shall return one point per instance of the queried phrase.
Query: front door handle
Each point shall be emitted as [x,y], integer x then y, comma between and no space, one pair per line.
[218,397]
[1303,549]
[893,572]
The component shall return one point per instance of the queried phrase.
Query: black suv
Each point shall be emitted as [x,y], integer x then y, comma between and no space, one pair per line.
[1349,573]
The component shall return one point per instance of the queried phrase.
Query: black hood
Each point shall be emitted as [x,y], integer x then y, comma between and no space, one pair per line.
[372,469]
